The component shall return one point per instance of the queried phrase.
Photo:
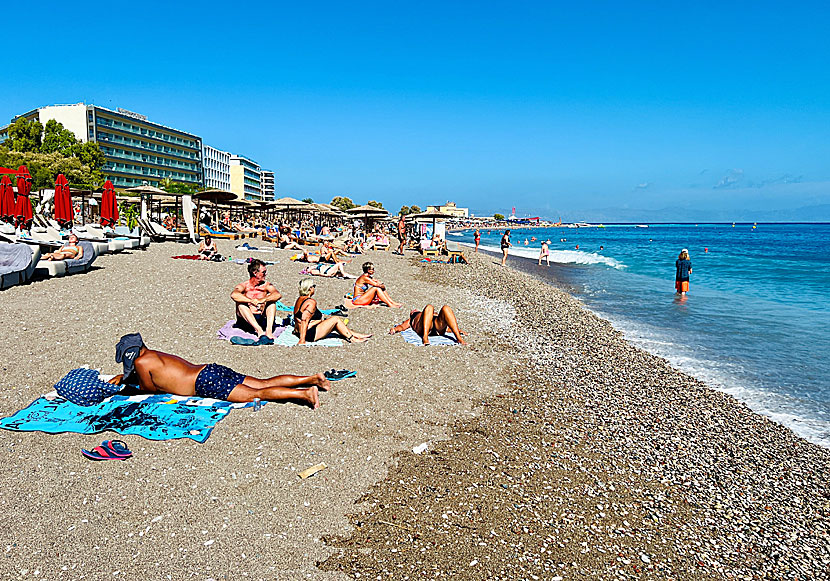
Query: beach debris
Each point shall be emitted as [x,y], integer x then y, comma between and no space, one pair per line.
[420,448]
[312,470]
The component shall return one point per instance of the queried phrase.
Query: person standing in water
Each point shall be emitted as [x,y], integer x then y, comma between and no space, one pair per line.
[505,245]
[684,268]
[544,253]
[477,237]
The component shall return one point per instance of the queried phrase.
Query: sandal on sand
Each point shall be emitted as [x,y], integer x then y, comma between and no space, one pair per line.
[108,450]
[338,374]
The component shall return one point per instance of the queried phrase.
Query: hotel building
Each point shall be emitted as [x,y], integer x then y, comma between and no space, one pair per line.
[137,151]
[268,191]
[246,178]
[217,168]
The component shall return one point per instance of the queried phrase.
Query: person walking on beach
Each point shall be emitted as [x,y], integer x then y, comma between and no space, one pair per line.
[477,237]
[505,245]
[544,253]
[401,235]
[683,267]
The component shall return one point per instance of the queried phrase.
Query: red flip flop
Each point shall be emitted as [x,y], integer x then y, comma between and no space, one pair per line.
[109,450]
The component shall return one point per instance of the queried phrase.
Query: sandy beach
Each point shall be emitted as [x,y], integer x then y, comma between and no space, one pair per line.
[554,447]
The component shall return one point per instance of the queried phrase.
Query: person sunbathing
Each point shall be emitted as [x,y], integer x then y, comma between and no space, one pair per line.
[70,250]
[309,324]
[329,270]
[159,372]
[427,323]
[370,291]
[329,253]
[256,302]
[285,241]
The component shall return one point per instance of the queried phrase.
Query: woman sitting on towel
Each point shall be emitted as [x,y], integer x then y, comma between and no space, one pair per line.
[309,324]
[370,291]
[427,323]
[207,248]
[68,251]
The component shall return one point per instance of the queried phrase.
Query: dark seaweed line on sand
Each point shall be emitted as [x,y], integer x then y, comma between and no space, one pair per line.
[599,460]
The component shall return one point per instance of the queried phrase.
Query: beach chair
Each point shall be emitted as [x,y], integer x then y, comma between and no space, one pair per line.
[455,254]
[17,263]
[135,234]
[220,235]
[101,243]
[83,264]
[169,234]
[100,234]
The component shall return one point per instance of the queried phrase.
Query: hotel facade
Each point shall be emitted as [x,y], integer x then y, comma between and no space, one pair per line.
[137,150]
[246,178]
[268,191]
[217,168]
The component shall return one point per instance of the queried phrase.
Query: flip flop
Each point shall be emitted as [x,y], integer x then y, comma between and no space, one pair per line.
[338,374]
[108,450]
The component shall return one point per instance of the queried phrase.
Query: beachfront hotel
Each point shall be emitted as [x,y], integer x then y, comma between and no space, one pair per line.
[451,209]
[268,191]
[137,150]
[217,168]
[246,178]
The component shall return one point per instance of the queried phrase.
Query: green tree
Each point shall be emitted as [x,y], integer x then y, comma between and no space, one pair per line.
[173,187]
[343,203]
[498,217]
[45,167]
[375,204]
[414,209]
[404,211]
[25,136]
[58,139]
[308,200]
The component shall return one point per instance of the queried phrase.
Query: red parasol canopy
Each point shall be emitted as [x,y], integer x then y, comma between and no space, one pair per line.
[109,209]
[63,200]
[23,207]
[6,198]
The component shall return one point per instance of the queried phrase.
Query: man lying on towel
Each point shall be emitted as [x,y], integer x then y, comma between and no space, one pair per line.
[158,372]
[427,323]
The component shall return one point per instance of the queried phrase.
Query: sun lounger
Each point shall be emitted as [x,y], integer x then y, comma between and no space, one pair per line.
[217,234]
[52,268]
[17,263]
[455,253]
[160,234]
[135,234]
[178,236]
[97,232]
[101,243]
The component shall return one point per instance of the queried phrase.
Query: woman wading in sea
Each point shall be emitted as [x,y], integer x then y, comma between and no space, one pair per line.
[684,269]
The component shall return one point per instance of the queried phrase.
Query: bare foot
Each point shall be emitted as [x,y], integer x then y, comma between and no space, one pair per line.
[356,339]
[312,397]
[462,341]
[322,382]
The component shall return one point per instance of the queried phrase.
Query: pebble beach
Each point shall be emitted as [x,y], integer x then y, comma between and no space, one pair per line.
[550,448]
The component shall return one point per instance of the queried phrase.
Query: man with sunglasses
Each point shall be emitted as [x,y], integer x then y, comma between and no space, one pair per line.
[256,302]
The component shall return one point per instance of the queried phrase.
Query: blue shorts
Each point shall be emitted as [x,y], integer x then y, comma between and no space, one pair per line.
[217,381]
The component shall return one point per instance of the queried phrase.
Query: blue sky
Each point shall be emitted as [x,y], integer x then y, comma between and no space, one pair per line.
[554,108]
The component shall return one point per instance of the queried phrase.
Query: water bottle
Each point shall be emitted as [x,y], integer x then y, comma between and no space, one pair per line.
[257,404]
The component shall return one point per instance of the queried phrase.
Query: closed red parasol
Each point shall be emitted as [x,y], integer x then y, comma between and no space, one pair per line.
[6,199]
[23,207]
[109,209]
[63,201]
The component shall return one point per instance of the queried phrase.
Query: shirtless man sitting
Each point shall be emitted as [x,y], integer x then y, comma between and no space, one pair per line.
[427,323]
[159,372]
[68,251]
[256,302]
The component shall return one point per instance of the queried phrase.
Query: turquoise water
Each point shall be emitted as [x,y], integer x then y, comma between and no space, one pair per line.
[754,324]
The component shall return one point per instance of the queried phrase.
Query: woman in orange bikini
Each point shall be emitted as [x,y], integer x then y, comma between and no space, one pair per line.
[369,291]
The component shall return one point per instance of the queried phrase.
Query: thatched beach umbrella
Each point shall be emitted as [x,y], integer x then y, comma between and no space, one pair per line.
[368,213]
[431,215]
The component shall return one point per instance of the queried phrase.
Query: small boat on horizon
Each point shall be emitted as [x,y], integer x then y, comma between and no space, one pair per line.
[641,226]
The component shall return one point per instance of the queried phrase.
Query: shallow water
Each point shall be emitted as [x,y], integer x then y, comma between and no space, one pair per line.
[754,324]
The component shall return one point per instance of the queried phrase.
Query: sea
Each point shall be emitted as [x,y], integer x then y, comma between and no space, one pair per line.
[755,322]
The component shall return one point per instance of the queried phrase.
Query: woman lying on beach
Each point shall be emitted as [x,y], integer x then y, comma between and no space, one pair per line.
[427,323]
[68,251]
[159,372]
[329,270]
[370,291]
[309,324]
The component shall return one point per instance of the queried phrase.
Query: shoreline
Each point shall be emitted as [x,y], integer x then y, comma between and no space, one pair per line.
[549,414]
[656,472]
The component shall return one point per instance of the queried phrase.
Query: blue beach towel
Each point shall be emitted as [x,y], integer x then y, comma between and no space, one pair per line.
[411,336]
[155,417]
[288,339]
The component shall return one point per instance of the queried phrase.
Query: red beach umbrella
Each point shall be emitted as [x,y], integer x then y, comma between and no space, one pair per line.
[109,209]
[63,200]
[6,199]
[23,208]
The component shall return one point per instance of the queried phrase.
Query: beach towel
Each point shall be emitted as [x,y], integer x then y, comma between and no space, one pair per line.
[410,336]
[187,256]
[247,261]
[250,248]
[230,330]
[289,339]
[155,416]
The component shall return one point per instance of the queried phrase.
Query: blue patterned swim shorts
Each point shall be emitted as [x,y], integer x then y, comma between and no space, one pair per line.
[217,381]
